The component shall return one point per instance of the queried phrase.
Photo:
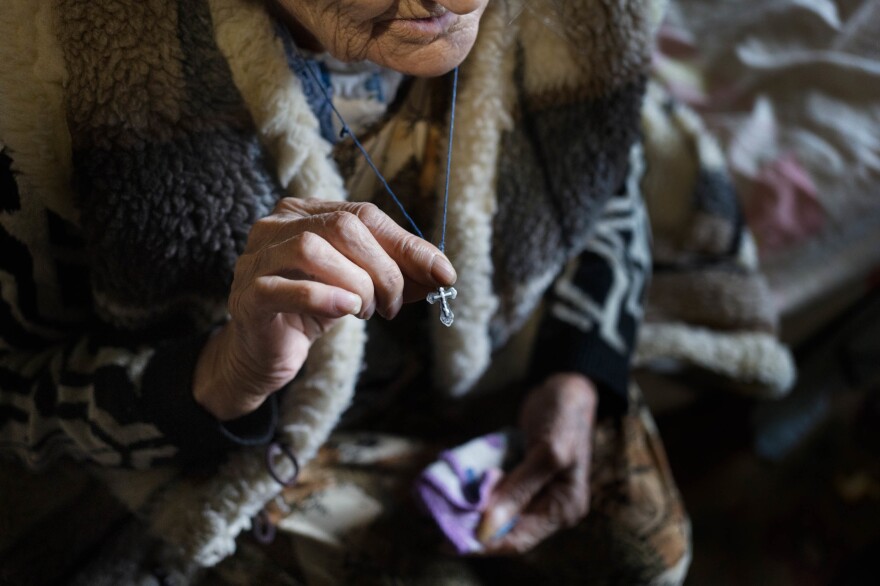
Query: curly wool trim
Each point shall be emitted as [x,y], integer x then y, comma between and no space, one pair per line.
[34,131]
[32,122]
[585,49]
[287,126]
[760,365]
[462,354]
[204,519]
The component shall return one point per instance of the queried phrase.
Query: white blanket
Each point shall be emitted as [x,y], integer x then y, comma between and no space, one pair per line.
[792,90]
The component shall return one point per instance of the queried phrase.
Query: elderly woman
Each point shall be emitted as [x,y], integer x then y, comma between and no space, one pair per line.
[195,262]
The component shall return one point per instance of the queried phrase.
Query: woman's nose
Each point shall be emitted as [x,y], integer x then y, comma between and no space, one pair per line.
[460,7]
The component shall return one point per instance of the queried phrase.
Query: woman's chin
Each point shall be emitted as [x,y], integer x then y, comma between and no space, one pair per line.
[425,59]
[422,63]
[426,69]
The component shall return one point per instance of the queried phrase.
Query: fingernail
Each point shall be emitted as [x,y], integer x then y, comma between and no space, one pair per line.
[394,308]
[371,309]
[442,271]
[495,524]
[505,529]
[485,532]
[348,303]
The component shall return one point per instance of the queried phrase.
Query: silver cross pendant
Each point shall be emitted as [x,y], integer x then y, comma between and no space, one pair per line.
[442,295]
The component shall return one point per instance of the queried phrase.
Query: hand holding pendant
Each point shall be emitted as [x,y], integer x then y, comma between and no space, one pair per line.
[305,266]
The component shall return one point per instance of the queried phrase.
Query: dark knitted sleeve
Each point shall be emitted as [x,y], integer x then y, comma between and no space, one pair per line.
[595,306]
[70,384]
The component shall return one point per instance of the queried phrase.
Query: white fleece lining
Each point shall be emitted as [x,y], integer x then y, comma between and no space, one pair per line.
[569,47]
[246,36]
[32,122]
[747,357]
[551,64]
[34,130]
[462,352]
[204,519]
[669,171]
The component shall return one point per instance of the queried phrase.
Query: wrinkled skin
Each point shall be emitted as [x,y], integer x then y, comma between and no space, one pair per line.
[311,263]
[385,31]
[550,489]
[305,266]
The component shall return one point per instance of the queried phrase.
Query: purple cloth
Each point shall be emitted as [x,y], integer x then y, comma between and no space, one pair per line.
[455,489]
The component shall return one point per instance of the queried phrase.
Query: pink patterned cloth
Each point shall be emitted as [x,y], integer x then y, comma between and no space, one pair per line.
[455,489]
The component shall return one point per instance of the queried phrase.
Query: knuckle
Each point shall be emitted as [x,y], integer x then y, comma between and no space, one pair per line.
[364,284]
[393,278]
[233,304]
[520,496]
[575,510]
[270,230]
[306,244]
[409,245]
[583,505]
[553,455]
[576,516]
[264,224]
[521,546]
[245,267]
[367,211]
[260,233]
[345,223]
[287,205]
[359,282]
[416,249]
[572,507]
[263,291]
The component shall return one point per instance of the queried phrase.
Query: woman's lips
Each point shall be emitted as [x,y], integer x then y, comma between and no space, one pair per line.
[424,28]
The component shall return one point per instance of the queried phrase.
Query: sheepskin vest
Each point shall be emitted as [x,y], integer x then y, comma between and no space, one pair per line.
[164,129]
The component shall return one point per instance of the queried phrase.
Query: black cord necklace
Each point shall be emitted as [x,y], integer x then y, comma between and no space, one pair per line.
[442,295]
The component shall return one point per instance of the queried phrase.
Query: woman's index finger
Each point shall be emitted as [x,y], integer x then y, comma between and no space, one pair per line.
[419,260]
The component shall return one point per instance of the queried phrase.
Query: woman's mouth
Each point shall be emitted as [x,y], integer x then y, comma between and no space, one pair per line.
[425,29]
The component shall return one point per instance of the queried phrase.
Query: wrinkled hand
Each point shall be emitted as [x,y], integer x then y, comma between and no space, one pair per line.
[305,266]
[549,490]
